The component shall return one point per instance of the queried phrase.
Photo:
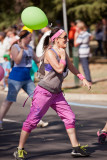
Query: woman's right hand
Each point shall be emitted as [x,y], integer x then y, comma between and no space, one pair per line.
[21,45]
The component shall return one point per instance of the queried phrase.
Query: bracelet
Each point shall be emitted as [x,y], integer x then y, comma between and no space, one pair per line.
[80,76]
[63,62]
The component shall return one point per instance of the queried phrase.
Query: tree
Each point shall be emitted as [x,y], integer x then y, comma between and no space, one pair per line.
[89,11]
[10,11]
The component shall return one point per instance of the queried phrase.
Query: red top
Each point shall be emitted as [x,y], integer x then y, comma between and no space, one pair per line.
[72,32]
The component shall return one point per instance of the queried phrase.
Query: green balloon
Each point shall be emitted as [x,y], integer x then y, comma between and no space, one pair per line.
[34,18]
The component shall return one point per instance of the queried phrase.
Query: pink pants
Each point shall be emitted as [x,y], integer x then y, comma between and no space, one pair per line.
[41,102]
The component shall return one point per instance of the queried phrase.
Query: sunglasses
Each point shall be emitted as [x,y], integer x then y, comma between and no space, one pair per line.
[65,37]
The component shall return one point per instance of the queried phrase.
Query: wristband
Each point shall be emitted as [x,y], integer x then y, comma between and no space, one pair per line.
[80,76]
[63,62]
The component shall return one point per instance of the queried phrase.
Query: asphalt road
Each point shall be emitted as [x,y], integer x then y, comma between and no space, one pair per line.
[52,142]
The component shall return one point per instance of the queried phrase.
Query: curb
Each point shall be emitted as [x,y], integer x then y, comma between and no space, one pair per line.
[70,97]
[93,97]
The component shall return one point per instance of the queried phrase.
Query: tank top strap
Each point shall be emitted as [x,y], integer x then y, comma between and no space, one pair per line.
[55,53]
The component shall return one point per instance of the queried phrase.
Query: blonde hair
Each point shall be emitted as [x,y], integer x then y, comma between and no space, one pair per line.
[81,25]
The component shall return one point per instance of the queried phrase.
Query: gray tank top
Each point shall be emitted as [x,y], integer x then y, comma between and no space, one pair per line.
[53,80]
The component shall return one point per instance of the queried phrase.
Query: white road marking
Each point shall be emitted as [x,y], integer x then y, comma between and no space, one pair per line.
[9,120]
[70,103]
[86,105]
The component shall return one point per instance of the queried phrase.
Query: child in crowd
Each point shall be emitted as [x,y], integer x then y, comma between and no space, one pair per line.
[7,68]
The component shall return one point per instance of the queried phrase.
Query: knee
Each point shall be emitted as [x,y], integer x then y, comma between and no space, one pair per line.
[28,126]
[70,122]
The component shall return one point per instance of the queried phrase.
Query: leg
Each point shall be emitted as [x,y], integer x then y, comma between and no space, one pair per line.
[23,137]
[102,134]
[105,47]
[4,109]
[65,113]
[105,128]
[72,136]
[29,88]
[20,153]
[97,49]
[38,108]
[101,48]
[85,65]
[14,88]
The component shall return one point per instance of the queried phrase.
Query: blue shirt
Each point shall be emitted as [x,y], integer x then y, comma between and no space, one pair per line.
[20,73]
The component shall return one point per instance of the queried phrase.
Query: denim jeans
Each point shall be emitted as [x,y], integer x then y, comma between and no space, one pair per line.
[85,66]
[14,87]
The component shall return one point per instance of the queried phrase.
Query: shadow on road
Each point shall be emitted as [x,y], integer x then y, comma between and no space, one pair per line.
[53,141]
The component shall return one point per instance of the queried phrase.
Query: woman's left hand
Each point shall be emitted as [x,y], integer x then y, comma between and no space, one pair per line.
[86,83]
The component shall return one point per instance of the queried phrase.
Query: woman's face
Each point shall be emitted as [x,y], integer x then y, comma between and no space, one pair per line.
[62,40]
[27,39]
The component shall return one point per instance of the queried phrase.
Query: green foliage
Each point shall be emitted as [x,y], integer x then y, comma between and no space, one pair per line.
[10,12]
[89,11]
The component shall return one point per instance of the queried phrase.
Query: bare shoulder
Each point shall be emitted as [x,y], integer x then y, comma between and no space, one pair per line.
[49,53]
[14,49]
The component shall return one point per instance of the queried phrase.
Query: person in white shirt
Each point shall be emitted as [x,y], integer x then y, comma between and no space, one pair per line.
[82,38]
[4,46]
[4,49]
[39,49]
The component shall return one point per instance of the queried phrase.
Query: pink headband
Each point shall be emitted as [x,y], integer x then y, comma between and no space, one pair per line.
[57,34]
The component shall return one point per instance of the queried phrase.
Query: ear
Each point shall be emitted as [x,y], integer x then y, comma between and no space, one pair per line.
[57,40]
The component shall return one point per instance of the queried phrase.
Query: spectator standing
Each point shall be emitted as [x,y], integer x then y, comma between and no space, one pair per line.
[82,38]
[104,27]
[4,49]
[7,68]
[99,38]
[71,34]
[4,46]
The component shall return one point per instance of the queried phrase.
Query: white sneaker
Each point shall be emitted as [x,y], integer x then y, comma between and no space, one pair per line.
[42,124]
[1,126]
